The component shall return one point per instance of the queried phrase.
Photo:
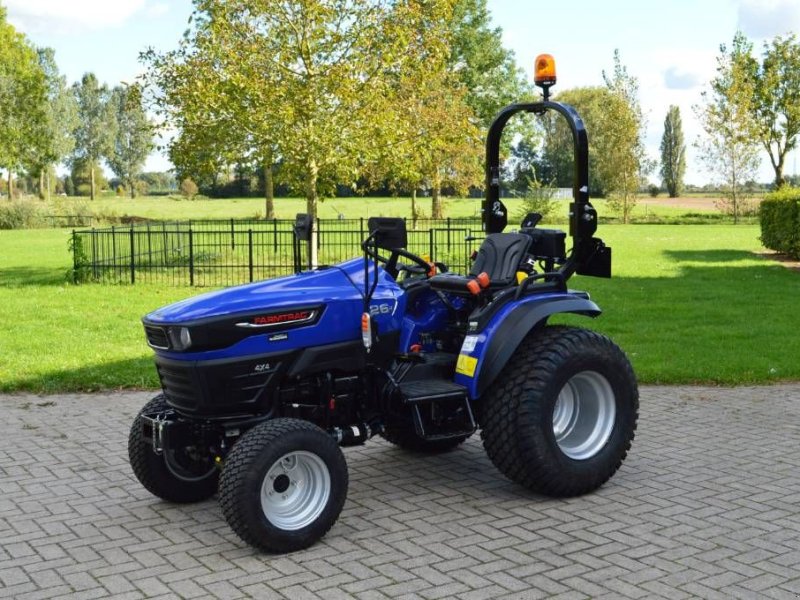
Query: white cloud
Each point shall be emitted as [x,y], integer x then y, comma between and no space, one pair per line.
[768,18]
[676,78]
[78,16]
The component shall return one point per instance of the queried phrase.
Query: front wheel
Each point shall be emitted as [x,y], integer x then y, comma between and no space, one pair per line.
[563,413]
[283,485]
[182,474]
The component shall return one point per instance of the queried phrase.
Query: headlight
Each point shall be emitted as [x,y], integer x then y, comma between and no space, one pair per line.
[180,338]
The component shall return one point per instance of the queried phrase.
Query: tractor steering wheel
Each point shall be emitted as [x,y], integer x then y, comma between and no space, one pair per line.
[420,266]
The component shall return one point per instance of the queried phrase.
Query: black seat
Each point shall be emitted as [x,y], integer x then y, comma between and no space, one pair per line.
[500,256]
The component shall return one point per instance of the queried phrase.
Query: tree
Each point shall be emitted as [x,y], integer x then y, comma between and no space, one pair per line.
[623,149]
[57,132]
[434,141]
[673,153]
[84,177]
[486,69]
[22,101]
[776,103]
[308,79]
[727,147]
[557,163]
[134,135]
[94,137]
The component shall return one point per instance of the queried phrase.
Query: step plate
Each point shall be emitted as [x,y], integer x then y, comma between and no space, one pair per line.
[431,389]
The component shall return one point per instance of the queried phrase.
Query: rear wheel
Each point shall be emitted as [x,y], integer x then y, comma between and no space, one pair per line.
[183,474]
[283,485]
[563,412]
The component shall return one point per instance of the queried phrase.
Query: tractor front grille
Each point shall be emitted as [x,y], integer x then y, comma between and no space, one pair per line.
[179,385]
[219,387]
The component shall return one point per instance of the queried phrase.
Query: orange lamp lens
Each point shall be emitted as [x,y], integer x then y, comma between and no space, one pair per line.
[545,69]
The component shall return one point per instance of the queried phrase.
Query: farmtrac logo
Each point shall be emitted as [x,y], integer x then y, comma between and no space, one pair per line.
[290,317]
[294,317]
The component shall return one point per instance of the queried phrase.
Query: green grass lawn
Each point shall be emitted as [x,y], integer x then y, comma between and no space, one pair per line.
[689,304]
[164,207]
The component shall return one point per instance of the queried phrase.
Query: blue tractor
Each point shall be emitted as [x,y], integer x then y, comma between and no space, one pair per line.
[264,383]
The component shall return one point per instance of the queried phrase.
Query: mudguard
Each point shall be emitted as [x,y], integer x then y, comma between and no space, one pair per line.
[484,354]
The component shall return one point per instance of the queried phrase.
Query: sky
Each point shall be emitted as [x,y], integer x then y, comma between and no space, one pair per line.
[670,46]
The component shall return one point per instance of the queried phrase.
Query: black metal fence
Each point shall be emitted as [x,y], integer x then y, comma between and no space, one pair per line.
[227,252]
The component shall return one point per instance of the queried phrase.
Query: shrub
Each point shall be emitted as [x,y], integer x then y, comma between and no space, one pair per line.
[780,221]
[188,188]
[19,215]
[537,199]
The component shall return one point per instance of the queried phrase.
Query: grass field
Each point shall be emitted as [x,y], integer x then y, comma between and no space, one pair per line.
[689,304]
[163,207]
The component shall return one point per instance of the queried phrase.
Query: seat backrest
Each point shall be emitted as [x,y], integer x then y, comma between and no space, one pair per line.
[500,256]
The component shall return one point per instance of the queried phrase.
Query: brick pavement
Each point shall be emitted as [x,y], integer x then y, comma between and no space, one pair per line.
[707,505]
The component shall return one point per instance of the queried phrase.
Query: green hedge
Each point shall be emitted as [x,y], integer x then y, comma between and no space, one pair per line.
[780,221]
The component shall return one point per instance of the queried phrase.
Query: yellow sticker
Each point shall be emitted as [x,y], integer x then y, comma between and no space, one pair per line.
[466,365]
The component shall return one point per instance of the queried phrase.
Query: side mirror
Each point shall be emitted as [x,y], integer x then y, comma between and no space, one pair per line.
[390,232]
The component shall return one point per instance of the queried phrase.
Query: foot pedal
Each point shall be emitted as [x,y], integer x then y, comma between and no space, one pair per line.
[441,408]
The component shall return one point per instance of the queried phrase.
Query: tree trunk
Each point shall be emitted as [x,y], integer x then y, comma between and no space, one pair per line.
[10,185]
[414,213]
[312,174]
[41,184]
[91,170]
[779,179]
[436,200]
[48,184]
[269,190]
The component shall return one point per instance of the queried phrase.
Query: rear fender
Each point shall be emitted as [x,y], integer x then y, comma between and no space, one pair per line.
[484,354]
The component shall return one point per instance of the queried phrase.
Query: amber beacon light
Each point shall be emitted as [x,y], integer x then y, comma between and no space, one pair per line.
[545,73]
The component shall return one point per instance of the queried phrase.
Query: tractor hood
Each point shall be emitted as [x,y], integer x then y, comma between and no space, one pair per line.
[322,306]
[342,282]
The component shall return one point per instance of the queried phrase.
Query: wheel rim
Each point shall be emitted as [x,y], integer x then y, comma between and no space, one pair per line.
[295,490]
[186,468]
[584,415]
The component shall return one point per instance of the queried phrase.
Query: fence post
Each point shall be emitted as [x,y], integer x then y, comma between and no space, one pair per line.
[74,257]
[114,249]
[275,235]
[95,276]
[133,258]
[149,245]
[319,235]
[361,229]
[430,243]
[250,252]
[448,234]
[191,257]
[164,242]
[233,241]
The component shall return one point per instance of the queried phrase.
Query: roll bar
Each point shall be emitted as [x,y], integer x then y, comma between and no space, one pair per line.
[582,215]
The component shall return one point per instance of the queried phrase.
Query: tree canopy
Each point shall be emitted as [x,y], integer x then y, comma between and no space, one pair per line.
[133,139]
[94,137]
[728,149]
[23,93]
[673,153]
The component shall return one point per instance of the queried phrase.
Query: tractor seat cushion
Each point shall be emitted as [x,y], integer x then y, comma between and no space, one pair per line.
[500,256]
